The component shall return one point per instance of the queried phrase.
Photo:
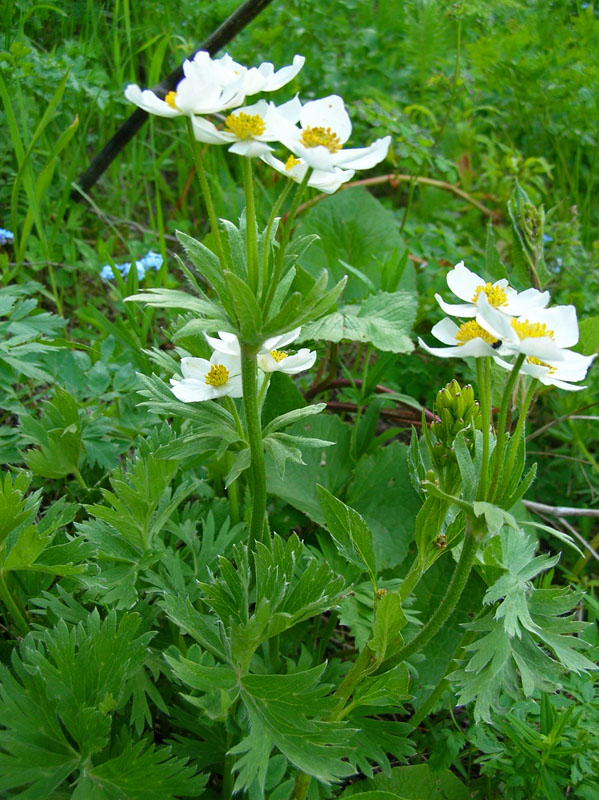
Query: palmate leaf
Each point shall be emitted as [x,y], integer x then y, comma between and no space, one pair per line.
[290,587]
[286,711]
[524,639]
[56,712]
[140,772]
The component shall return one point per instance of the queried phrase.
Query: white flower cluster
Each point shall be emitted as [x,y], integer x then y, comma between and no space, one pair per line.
[503,322]
[221,375]
[314,133]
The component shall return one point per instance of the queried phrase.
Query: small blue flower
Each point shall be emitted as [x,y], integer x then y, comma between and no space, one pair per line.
[547,238]
[152,260]
[106,273]
[6,237]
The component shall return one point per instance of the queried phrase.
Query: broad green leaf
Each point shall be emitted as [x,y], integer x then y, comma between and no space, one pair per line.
[418,782]
[349,532]
[296,415]
[389,619]
[381,491]
[385,320]
[354,227]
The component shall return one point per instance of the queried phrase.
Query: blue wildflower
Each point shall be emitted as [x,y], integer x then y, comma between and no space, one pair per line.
[547,238]
[6,237]
[106,273]
[152,260]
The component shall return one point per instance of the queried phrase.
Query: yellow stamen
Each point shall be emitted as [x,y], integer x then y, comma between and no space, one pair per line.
[217,376]
[539,363]
[245,126]
[313,137]
[170,100]
[531,330]
[291,162]
[472,330]
[495,295]
[278,355]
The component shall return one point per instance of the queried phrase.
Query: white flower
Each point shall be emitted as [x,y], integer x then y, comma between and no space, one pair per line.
[212,85]
[325,126]
[543,333]
[296,168]
[271,358]
[468,286]
[228,343]
[207,380]
[246,129]
[467,340]
[560,374]
[280,361]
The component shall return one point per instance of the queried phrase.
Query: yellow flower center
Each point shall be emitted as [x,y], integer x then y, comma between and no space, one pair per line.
[217,376]
[472,330]
[495,294]
[291,162]
[313,137]
[539,363]
[170,100]
[278,355]
[531,330]
[245,126]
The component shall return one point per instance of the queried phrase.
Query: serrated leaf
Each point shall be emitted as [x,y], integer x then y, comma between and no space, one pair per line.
[349,531]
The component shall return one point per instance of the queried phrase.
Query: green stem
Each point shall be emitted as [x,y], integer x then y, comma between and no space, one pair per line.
[513,449]
[501,432]
[271,222]
[233,493]
[445,608]
[351,680]
[250,225]
[483,371]
[302,784]
[13,608]
[201,173]
[410,581]
[254,438]
[286,235]
[226,791]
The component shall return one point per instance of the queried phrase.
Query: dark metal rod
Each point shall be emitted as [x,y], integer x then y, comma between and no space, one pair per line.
[238,20]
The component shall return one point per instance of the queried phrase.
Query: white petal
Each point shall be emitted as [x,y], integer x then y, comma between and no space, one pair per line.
[363,157]
[445,331]
[192,391]
[226,343]
[463,282]
[250,148]
[284,75]
[291,365]
[276,342]
[522,302]
[196,368]
[150,102]
[560,319]
[328,112]
[205,131]
[457,309]
[475,348]
[232,363]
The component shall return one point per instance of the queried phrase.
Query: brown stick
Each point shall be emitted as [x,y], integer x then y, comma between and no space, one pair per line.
[395,179]
[238,20]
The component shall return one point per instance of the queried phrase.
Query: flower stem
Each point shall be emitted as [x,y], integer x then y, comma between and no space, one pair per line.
[503,411]
[271,222]
[250,225]
[254,438]
[286,235]
[483,370]
[513,449]
[201,173]
[446,606]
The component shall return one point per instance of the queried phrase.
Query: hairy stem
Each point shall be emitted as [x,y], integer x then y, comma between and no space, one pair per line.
[254,438]
[201,172]
[445,608]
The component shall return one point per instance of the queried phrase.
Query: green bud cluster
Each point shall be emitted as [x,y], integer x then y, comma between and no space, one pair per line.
[455,410]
